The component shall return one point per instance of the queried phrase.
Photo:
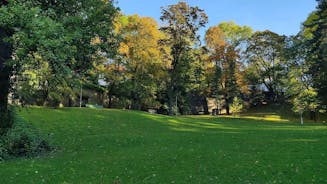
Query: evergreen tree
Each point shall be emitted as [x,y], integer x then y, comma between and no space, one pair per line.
[316,29]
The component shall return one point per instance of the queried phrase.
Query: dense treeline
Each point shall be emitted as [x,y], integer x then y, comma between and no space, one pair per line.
[46,45]
[54,50]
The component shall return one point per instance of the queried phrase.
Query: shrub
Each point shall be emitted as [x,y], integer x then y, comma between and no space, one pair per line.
[22,140]
[7,120]
[236,106]
[163,109]
[54,99]
[3,151]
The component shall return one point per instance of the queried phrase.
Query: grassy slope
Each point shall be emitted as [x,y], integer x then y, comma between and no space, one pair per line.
[96,146]
[281,113]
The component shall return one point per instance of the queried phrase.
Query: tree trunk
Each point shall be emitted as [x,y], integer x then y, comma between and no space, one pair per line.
[81,97]
[205,105]
[70,102]
[227,104]
[135,102]
[301,117]
[110,99]
[5,72]
[313,116]
[227,109]
[170,100]
[111,93]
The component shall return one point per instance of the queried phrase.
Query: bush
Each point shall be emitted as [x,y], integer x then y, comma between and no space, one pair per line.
[54,99]
[3,151]
[22,140]
[163,109]
[237,106]
[7,120]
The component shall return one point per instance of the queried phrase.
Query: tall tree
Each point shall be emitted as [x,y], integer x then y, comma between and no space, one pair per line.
[215,42]
[181,24]
[316,29]
[60,32]
[298,81]
[5,72]
[225,42]
[264,53]
[302,95]
[236,37]
[142,56]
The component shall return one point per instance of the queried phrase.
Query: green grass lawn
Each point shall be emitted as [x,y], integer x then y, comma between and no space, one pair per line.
[100,145]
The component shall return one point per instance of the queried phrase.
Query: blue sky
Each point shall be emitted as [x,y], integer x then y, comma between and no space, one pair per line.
[280,16]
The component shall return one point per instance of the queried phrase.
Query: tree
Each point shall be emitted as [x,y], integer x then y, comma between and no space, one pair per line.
[236,106]
[142,58]
[224,44]
[215,42]
[315,28]
[194,91]
[299,82]
[264,53]
[181,24]
[5,72]
[111,73]
[302,95]
[59,32]
[238,37]
[235,34]
[305,54]
[229,82]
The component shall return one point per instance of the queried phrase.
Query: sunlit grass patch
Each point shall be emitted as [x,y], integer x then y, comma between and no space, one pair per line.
[103,146]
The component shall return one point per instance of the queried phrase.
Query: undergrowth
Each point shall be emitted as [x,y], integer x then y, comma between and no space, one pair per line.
[22,140]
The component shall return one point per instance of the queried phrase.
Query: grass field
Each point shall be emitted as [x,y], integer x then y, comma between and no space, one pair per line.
[101,146]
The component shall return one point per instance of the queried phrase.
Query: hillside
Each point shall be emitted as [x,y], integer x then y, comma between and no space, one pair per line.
[103,146]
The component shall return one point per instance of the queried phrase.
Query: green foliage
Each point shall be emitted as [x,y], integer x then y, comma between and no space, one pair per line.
[308,28]
[256,96]
[54,99]
[3,151]
[7,120]
[38,85]
[182,23]
[22,140]
[303,96]
[142,65]
[52,44]
[225,43]
[237,106]
[306,100]
[235,34]
[265,56]
[299,82]
[59,46]
[315,34]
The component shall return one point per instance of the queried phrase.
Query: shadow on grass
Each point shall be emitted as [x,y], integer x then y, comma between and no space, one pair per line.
[229,124]
[281,113]
[117,122]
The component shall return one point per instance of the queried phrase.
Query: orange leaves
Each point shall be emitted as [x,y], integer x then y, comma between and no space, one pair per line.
[215,38]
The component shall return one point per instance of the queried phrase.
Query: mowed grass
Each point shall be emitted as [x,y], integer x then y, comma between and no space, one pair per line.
[103,146]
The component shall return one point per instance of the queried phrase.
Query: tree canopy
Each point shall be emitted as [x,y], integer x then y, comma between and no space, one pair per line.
[57,33]
[52,50]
